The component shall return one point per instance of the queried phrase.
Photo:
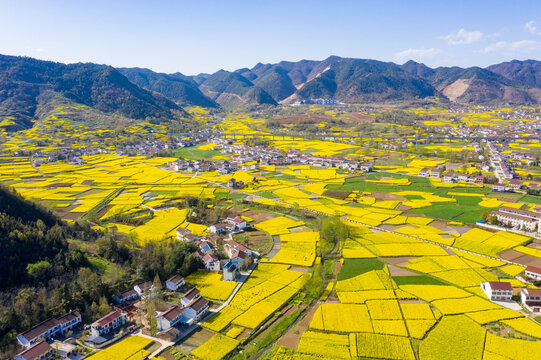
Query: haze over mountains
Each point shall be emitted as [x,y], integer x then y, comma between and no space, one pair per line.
[30,88]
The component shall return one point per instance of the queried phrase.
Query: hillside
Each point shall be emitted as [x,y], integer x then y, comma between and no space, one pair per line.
[31,89]
[230,90]
[177,87]
[28,85]
[527,73]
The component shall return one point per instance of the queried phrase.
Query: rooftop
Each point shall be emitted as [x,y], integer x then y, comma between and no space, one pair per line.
[36,351]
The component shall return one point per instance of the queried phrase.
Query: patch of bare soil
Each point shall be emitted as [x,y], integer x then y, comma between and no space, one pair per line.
[457,89]
[396,271]
[291,338]
[518,257]
[70,215]
[259,215]
[386,196]
[196,339]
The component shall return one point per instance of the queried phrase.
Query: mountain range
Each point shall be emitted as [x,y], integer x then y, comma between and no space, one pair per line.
[29,87]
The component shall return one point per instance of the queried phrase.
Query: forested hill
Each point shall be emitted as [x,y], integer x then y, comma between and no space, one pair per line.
[32,241]
[50,267]
[29,88]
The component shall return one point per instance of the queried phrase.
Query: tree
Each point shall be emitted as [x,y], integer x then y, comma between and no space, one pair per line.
[158,289]
[39,271]
[151,317]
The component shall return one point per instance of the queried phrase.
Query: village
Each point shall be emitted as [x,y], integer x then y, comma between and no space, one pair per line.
[179,312]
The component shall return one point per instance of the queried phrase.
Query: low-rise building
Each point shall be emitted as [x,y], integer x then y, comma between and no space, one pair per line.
[500,291]
[424,172]
[498,187]
[169,318]
[211,261]
[463,177]
[197,309]
[515,184]
[108,323]
[216,228]
[435,173]
[231,272]
[40,351]
[144,288]
[69,321]
[48,329]
[190,296]
[126,296]
[528,223]
[449,177]
[531,299]
[175,283]
[533,272]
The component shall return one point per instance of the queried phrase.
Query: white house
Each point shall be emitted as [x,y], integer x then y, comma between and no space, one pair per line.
[531,299]
[501,291]
[144,288]
[69,321]
[108,323]
[126,296]
[216,228]
[169,318]
[237,222]
[197,309]
[48,329]
[40,351]
[449,177]
[435,173]
[367,167]
[190,296]
[175,283]
[184,234]
[533,272]
[231,247]
[212,263]
[231,272]
[498,187]
[424,172]
[463,177]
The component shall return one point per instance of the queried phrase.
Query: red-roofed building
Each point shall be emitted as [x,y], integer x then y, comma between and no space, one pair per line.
[190,296]
[500,291]
[533,272]
[515,184]
[40,351]
[212,262]
[108,323]
[169,318]
[531,299]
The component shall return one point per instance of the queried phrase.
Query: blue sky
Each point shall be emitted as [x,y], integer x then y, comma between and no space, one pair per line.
[205,36]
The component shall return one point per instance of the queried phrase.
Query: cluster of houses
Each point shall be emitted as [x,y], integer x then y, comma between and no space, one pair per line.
[503,291]
[248,158]
[502,168]
[519,219]
[36,340]
[526,158]
[451,177]
[207,252]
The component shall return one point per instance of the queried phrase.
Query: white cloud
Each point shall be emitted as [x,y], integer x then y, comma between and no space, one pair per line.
[463,37]
[521,46]
[532,28]
[417,54]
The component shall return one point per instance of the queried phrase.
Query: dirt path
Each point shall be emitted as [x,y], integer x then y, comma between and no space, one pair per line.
[291,338]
